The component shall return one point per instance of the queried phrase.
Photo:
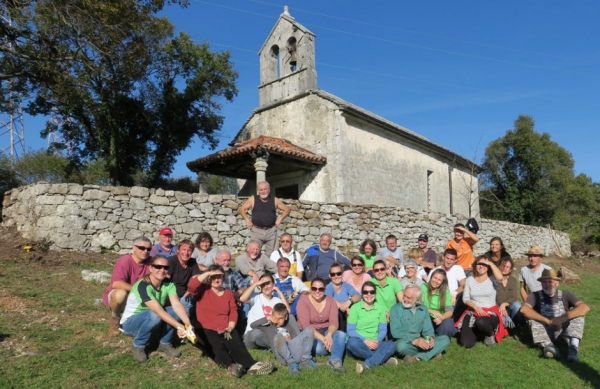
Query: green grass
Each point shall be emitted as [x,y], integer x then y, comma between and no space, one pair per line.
[53,336]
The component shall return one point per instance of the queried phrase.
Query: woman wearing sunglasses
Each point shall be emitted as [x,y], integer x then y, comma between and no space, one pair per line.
[357,276]
[367,328]
[320,312]
[146,312]
[217,313]
[343,294]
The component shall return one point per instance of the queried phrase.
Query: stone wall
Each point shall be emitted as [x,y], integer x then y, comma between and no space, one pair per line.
[90,217]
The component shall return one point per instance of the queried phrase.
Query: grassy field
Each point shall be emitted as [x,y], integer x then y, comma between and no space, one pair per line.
[52,334]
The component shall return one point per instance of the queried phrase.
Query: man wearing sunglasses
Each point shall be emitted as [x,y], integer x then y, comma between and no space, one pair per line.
[129,269]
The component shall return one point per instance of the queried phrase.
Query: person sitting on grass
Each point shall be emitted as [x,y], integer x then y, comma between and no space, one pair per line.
[389,289]
[368,252]
[204,254]
[217,313]
[413,273]
[507,291]
[420,275]
[412,329]
[367,329]
[343,294]
[320,313]
[291,347]
[438,300]
[146,311]
[357,275]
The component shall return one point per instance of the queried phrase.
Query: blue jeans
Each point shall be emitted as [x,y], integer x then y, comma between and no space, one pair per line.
[337,348]
[358,349]
[189,305]
[514,311]
[446,327]
[142,325]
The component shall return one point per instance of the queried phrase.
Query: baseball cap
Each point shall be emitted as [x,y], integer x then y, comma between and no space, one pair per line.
[423,237]
[165,231]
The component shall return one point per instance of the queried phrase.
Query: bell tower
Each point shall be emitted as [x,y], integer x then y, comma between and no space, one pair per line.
[287,61]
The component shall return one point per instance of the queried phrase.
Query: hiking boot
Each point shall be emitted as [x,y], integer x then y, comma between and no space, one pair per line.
[261,368]
[551,351]
[308,364]
[489,341]
[139,353]
[573,354]
[294,369]
[168,350]
[236,370]
[360,367]
[410,360]
[391,362]
[336,366]
[114,325]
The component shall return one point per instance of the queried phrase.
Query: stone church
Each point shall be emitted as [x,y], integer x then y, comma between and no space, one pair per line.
[311,145]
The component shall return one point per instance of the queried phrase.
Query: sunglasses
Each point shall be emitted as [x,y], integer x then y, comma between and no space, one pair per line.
[143,248]
[369,292]
[379,269]
[357,264]
[159,267]
[315,289]
[337,274]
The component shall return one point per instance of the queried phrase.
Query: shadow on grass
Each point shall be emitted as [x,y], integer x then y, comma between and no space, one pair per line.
[3,337]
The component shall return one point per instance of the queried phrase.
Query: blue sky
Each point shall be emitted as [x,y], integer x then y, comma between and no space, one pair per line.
[458,73]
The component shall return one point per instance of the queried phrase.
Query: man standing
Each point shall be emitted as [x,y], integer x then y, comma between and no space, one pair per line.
[291,287]
[392,253]
[389,289]
[286,250]
[319,258]
[528,278]
[181,270]
[129,269]
[455,274]
[264,221]
[464,247]
[253,264]
[555,313]
[412,329]
[429,256]
[165,244]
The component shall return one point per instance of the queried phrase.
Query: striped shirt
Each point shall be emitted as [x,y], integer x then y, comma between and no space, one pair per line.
[482,294]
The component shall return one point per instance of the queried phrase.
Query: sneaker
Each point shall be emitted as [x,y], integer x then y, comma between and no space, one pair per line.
[360,367]
[114,325]
[236,370]
[336,366]
[308,364]
[168,350]
[551,351]
[391,362]
[489,341]
[410,360]
[573,354]
[139,354]
[261,368]
[294,369]
[437,356]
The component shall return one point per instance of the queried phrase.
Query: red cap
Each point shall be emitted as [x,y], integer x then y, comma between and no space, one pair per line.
[165,231]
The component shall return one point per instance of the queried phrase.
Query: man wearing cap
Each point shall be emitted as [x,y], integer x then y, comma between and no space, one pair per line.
[463,243]
[165,246]
[529,275]
[264,222]
[429,256]
[554,313]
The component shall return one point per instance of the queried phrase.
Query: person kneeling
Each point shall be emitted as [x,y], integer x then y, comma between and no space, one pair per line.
[411,327]
[145,311]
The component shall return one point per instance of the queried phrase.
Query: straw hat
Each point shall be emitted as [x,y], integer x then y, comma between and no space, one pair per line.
[548,274]
[535,250]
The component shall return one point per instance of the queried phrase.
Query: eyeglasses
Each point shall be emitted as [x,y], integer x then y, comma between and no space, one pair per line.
[336,274]
[143,248]
[315,289]
[357,265]
[379,269]
[159,267]
[369,292]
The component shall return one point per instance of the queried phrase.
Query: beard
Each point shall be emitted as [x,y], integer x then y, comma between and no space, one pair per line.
[264,196]
[408,305]
[549,291]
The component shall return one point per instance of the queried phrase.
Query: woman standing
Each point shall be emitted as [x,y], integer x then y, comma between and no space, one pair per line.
[343,294]
[321,313]
[357,276]
[438,300]
[497,252]
[217,312]
[482,316]
[368,252]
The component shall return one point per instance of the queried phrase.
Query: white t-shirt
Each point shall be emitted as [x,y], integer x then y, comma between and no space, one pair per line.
[530,278]
[261,307]
[293,256]
[455,275]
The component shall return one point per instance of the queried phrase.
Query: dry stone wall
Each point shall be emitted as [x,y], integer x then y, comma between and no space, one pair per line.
[91,217]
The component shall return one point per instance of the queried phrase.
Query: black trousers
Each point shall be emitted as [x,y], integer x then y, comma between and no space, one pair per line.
[227,352]
[484,326]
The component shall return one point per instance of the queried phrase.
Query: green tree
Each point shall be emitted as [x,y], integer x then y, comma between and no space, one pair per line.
[220,185]
[528,178]
[42,165]
[130,92]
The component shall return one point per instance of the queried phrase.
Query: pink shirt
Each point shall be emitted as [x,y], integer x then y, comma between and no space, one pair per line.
[348,275]
[126,270]
[309,317]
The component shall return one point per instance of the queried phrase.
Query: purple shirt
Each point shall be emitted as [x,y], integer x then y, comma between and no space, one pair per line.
[126,270]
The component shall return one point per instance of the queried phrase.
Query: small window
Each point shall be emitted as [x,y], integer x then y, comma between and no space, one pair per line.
[429,205]
[275,57]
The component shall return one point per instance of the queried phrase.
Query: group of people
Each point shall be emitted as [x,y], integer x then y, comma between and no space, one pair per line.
[374,306]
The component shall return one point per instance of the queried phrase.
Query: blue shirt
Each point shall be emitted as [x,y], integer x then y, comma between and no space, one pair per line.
[346,292]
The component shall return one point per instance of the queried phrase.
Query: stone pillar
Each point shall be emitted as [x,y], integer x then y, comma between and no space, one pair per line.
[260,166]
[202,183]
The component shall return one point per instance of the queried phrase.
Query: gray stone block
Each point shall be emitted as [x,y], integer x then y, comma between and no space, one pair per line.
[95,194]
[138,191]
[183,197]
[158,200]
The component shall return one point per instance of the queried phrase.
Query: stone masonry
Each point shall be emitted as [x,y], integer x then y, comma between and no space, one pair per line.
[90,217]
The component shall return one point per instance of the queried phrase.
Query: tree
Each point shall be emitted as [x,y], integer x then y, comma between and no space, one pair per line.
[42,166]
[527,178]
[221,185]
[134,94]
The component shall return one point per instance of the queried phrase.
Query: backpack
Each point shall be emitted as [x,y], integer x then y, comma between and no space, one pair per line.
[472,225]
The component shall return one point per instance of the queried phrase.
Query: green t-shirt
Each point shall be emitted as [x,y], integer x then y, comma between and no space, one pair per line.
[387,295]
[434,303]
[369,261]
[142,292]
[367,320]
